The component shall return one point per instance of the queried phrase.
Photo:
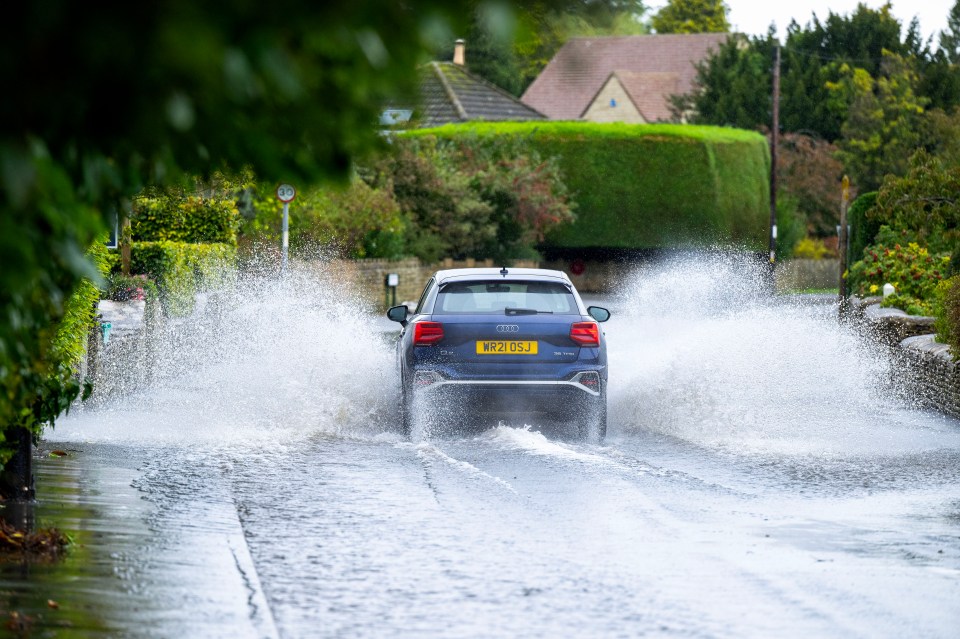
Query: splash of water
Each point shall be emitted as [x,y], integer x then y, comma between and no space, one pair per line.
[294,357]
[705,353]
[699,348]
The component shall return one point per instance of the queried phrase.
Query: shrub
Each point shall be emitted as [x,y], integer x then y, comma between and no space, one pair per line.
[946,308]
[53,380]
[645,186]
[472,197]
[912,269]
[791,226]
[131,287]
[809,173]
[354,220]
[181,269]
[810,248]
[173,218]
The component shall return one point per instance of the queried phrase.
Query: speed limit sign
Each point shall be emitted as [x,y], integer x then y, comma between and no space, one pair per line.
[286,193]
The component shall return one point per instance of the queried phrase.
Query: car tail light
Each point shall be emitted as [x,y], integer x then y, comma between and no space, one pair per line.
[585,333]
[427,333]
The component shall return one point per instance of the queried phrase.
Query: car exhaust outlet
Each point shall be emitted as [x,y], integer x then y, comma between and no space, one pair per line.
[424,379]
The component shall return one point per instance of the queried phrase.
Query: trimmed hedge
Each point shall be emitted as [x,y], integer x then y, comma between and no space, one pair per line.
[181,269]
[185,219]
[55,378]
[647,186]
[946,308]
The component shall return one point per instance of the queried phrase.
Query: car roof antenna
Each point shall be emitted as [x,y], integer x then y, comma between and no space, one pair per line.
[503,271]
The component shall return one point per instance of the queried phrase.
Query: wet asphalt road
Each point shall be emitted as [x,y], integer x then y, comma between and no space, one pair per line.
[763,476]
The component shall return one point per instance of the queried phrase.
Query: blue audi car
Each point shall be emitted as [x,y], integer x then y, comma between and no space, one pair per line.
[486,342]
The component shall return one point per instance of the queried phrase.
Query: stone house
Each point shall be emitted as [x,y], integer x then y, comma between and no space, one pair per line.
[621,78]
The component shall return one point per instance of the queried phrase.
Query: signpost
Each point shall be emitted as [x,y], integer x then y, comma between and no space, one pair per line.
[286,193]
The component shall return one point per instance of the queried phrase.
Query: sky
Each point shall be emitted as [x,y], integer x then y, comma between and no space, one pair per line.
[754,16]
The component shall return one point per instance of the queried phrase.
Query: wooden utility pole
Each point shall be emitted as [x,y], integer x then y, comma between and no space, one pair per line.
[774,144]
[842,244]
[126,238]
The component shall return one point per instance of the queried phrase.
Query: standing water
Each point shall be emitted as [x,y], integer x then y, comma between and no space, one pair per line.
[762,476]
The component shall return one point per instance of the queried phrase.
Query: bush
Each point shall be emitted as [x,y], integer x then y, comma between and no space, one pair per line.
[181,270]
[122,287]
[946,308]
[475,197]
[791,226]
[912,270]
[172,218]
[53,380]
[645,186]
[810,248]
[353,220]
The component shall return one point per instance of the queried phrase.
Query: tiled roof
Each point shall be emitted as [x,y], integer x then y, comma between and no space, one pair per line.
[450,93]
[567,85]
[648,92]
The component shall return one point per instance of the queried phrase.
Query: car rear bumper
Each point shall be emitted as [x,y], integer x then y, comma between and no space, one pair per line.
[508,387]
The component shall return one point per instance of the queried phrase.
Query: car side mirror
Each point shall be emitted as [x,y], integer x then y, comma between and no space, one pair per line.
[399,314]
[598,313]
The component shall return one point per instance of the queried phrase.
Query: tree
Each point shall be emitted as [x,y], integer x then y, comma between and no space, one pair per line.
[480,199]
[882,124]
[733,86]
[692,16]
[111,97]
[925,201]
[809,174]
[950,38]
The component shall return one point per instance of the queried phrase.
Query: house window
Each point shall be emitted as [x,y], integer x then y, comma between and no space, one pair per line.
[613,102]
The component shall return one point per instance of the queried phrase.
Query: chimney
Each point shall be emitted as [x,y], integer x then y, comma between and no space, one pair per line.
[459,55]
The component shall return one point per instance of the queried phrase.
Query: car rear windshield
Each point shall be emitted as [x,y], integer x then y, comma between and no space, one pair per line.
[500,297]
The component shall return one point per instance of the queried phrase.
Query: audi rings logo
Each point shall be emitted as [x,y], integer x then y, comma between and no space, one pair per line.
[507,328]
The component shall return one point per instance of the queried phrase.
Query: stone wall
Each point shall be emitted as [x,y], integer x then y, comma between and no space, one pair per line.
[368,276]
[934,376]
[798,275]
[929,370]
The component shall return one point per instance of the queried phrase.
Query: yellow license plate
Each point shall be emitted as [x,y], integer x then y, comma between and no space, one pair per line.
[511,347]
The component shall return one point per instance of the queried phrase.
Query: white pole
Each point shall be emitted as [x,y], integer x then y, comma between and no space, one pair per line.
[286,235]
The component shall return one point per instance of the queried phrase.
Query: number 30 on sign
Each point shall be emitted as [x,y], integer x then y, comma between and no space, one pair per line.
[286,193]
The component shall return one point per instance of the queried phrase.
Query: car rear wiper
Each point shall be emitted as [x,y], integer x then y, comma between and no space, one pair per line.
[524,311]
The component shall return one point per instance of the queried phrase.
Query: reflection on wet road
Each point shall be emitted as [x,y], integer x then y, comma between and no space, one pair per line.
[762,477]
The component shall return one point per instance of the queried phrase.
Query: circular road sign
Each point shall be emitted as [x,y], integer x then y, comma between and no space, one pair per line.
[286,193]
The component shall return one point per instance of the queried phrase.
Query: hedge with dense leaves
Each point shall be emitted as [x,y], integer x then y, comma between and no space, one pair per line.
[54,380]
[181,269]
[946,308]
[648,186]
[185,219]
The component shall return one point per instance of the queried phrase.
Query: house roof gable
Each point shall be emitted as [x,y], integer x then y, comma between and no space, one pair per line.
[569,83]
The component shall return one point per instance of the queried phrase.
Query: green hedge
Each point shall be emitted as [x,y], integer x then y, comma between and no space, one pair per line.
[648,186]
[185,219]
[946,308]
[54,380]
[181,269]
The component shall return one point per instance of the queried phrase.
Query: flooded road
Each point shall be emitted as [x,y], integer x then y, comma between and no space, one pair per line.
[764,475]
